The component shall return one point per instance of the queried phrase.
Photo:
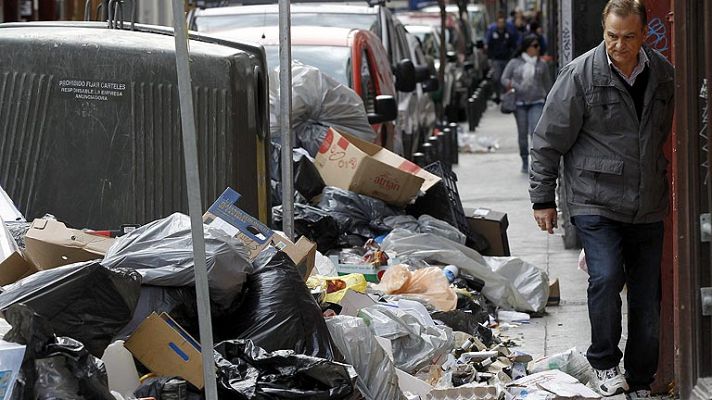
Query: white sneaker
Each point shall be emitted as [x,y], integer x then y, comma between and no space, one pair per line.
[609,382]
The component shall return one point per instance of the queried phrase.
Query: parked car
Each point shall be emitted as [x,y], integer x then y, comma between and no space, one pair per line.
[476,26]
[354,57]
[429,38]
[426,106]
[477,14]
[377,19]
[458,53]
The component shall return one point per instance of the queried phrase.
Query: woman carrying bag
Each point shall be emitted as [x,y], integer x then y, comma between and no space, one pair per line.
[528,80]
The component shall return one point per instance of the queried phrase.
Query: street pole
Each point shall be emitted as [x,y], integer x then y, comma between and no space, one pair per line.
[195,208]
[285,117]
[443,45]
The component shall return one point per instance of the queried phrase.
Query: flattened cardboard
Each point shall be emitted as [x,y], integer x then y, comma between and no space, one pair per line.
[162,346]
[350,163]
[559,384]
[302,253]
[51,244]
[410,384]
[225,215]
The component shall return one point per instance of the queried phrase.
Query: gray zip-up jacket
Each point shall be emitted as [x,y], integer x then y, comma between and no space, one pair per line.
[613,164]
[530,92]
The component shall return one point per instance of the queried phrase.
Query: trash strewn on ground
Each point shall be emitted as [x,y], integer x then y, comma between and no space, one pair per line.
[375,298]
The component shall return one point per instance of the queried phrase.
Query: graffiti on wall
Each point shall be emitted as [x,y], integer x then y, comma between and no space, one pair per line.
[657,35]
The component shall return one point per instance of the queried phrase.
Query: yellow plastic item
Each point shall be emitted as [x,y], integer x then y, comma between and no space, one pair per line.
[336,286]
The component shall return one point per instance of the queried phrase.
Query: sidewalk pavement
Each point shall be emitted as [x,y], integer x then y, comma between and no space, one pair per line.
[494,180]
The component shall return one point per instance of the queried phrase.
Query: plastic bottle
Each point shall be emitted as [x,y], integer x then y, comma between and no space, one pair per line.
[120,367]
[451,272]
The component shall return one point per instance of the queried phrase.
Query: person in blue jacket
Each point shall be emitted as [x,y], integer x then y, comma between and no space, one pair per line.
[501,45]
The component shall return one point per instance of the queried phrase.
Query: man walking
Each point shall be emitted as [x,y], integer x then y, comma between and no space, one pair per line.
[608,115]
[501,42]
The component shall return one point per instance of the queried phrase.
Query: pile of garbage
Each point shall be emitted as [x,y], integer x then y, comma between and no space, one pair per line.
[377,300]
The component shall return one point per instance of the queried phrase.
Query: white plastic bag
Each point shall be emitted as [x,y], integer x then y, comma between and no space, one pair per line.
[505,288]
[8,211]
[414,345]
[582,262]
[571,361]
[531,283]
[7,243]
[377,375]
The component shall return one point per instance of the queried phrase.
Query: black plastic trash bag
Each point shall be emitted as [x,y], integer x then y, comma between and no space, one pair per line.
[179,303]
[163,387]
[318,102]
[465,322]
[312,223]
[246,371]
[279,313]
[162,252]
[53,367]
[355,213]
[84,301]
[307,179]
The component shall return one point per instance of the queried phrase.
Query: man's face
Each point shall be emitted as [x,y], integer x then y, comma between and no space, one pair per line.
[500,23]
[623,37]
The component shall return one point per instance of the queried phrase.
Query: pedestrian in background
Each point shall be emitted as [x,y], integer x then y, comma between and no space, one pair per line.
[536,29]
[530,79]
[501,43]
[609,114]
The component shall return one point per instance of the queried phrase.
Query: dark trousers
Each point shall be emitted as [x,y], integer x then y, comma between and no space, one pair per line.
[620,254]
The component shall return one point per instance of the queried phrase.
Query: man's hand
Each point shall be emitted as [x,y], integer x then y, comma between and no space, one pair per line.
[546,219]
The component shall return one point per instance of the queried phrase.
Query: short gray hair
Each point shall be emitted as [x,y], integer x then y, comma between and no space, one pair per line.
[624,8]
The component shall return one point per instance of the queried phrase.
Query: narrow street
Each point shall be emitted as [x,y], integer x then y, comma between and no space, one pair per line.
[493,180]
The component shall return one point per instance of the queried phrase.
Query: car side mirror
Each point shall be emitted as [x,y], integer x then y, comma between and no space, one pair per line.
[422,73]
[432,84]
[386,110]
[451,57]
[405,75]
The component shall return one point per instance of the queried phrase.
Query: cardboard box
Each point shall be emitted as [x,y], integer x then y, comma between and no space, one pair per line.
[493,226]
[369,271]
[162,346]
[15,268]
[49,244]
[350,163]
[554,293]
[303,253]
[225,215]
